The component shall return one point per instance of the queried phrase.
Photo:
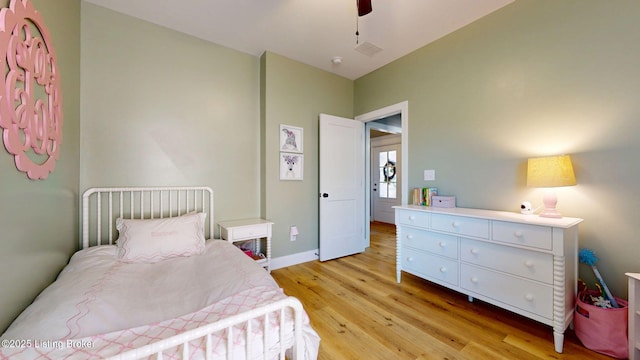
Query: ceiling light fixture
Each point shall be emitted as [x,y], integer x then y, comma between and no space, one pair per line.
[336,60]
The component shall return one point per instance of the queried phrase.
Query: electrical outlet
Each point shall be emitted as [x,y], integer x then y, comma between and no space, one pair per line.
[429,175]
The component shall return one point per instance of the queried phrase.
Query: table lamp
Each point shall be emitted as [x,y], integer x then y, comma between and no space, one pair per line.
[550,172]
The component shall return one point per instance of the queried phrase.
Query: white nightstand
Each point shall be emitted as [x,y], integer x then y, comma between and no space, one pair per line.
[634,316]
[256,230]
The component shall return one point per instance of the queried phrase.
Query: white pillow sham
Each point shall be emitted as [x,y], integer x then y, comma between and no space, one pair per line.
[153,240]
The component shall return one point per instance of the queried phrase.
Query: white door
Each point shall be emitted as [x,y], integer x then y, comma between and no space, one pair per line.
[342,188]
[385,182]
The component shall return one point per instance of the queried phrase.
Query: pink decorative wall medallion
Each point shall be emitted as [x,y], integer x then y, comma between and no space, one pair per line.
[30,95]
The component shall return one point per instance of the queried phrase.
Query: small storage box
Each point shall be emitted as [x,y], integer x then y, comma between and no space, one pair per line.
[443,201]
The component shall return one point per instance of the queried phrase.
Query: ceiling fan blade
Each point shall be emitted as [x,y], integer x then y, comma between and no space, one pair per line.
[364,7]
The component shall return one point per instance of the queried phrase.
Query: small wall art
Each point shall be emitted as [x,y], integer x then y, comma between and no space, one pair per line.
[291,139]
[291,166]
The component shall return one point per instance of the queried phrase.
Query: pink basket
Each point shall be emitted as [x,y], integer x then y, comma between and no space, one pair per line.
[602,330]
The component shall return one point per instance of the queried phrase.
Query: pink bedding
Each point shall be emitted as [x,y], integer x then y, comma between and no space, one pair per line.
[99,306]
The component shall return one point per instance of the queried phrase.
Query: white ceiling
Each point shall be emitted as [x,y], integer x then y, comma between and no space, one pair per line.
[313,31]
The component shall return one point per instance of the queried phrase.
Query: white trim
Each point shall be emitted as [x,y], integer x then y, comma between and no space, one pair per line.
[401,108]
[294,259]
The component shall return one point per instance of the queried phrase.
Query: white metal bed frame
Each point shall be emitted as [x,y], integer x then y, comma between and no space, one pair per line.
[102,206]
[98,211]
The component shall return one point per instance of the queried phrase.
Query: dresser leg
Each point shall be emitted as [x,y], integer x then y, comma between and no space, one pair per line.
[398,254]
[558,341]
[470,298]
[560,312]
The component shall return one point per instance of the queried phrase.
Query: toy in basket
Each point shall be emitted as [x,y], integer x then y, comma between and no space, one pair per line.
[589,257]
[600,320]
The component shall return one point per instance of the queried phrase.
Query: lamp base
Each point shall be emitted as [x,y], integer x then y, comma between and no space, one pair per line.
[550,213]
[550,201]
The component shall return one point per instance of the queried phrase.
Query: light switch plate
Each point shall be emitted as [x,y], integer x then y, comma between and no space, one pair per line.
[429,175]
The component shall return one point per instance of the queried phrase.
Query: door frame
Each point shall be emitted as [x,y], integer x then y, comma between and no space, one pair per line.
[401,108]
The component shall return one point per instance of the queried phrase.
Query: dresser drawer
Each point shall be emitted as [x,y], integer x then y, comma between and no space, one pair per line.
[430,266]
[441,244]
[461,225]
[522,234]
[413,218]
[520,293]
[526,263]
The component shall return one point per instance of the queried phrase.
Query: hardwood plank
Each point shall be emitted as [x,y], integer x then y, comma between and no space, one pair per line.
[361,312]
[347,338]
[381,324]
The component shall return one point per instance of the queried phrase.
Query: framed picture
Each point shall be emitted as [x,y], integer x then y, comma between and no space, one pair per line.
[291,166]
[291,139]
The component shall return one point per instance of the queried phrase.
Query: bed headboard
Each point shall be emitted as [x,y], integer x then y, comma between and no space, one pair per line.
[102,206]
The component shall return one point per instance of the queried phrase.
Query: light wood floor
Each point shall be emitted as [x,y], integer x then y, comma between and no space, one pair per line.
[360,312]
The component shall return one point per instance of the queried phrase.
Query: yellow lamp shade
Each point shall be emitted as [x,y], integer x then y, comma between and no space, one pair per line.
[551,171]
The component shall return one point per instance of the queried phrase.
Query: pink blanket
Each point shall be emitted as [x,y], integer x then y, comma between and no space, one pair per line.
[99,307]
[111,344]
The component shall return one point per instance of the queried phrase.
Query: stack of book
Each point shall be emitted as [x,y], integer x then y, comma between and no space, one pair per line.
[427,195]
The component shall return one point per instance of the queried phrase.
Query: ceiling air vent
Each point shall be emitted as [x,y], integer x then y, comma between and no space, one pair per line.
[368,49]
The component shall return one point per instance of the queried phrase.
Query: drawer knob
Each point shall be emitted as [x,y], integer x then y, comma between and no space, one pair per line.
[474,280]
[442,244]
[474,251]
[411,217]
[518,234]
[409,259]
[455,224]
[443,269]
[409,236]
[529,297]
[528,263]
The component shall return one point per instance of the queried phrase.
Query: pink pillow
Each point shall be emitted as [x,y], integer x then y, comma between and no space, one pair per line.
[152,240]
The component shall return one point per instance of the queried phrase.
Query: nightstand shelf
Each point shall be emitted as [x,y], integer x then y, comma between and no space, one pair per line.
[256,231]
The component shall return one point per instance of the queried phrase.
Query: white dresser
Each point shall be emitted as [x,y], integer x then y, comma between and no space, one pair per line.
[523,263]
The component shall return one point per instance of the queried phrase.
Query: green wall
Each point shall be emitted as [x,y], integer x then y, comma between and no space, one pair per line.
[537,77]
[163,108]
[295,94]
[39,218]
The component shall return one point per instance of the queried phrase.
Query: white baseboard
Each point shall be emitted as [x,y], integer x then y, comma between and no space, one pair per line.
[294,259]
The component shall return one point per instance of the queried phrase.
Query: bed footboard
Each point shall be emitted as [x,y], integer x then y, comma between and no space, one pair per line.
[183,343]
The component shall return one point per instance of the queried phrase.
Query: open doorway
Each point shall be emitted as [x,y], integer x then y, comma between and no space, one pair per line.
[393,119]
[386,164]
